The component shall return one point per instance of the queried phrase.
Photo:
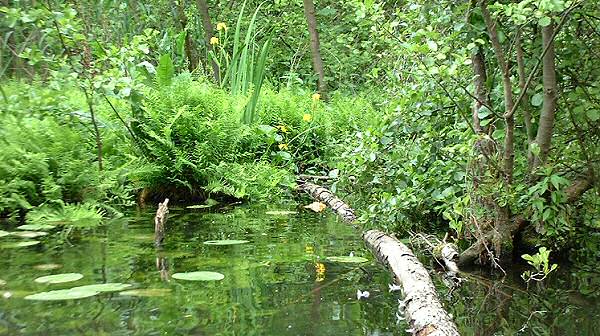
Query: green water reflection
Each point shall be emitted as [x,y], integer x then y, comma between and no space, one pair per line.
[277,284]
[270,285]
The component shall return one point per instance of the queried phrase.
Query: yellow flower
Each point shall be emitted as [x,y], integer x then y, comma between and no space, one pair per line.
[282,128]
[316,97]
[283,146]
[306,117]
[214,40]
[320,271]
[221,26]
[309,249]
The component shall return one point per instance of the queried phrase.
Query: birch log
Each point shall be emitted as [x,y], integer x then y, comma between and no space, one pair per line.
[421,305]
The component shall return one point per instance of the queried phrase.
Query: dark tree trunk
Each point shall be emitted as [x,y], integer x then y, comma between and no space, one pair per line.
[311,20]
[208,29]
[189,45]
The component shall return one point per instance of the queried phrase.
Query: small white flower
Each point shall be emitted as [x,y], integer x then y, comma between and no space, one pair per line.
[360,294]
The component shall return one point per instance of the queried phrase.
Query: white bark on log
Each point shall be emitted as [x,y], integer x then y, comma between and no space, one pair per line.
[422,308]
[159,222]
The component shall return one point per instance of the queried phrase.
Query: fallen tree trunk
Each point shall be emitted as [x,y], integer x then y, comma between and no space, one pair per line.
[422,308]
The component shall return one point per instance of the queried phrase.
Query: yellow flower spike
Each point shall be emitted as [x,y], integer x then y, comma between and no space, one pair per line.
[214,40]
[316,97]
[309,249]
[320,271]
[221,26]
[307,117]
[283,146]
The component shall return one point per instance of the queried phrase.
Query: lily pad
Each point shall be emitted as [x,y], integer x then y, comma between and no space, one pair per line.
[347,259]
[199,276]
[47,267]
[146,292]
[61,294]
[4,233]
[59,278]
[35,227]
[30,234]
[225,242]
[281,212]
[198,206]
[20,244]
[105,287]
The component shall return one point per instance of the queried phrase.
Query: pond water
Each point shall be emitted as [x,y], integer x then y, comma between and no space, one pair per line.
[279,283]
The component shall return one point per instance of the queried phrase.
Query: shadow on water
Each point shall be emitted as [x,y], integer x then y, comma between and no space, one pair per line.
[277,284]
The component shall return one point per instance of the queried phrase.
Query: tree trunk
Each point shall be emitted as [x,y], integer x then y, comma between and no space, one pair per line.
[208,29]
[546,123]
[480,77]
[189,45]
[423,310]
[311,20]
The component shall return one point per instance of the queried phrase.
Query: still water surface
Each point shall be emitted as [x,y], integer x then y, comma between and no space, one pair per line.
[279,283]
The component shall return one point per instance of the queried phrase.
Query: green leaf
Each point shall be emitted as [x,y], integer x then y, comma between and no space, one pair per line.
[62,294]
[544,21]
[199,276]
[165,71]
[4,233]
[29,234]
[432,45]
[20,244]
[225,242]
[483,112]
[537,99]
[59,278]
[105,287]
[146,292]
[35,227]
[281,212]
[347,259]
[593,114]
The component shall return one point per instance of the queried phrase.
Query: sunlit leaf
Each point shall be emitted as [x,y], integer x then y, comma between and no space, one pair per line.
[146,292]
[280,212]
[62,294]
[4,233]
[105,287]
[30,234]
[199,276]
[59,278]
[35,227]
[347,259]
[20,244]
[47,267]
[225,242]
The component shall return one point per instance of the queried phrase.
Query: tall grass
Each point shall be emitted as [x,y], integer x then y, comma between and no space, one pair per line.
[246,72]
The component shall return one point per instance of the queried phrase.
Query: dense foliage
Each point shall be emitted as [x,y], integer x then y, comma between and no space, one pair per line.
[478,118]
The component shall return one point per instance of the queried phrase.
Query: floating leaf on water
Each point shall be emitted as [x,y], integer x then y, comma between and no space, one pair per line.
[30,234]
[61,294]
[59,278]
[225,242]
[2,282]
[4,233]
[20,244]
[199,276]
[316,206]
[105,287]
[198,206]
[281,212]
[47,267]
[35,227]
[347,259]
[147,292]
